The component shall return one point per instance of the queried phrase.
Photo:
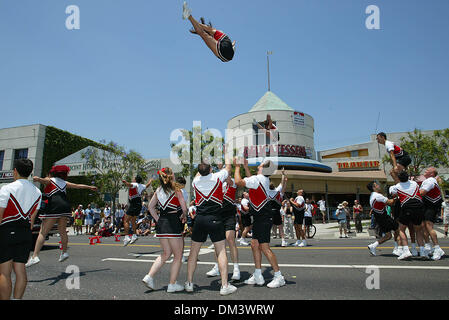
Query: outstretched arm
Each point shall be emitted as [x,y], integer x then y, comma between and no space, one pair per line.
[44,181]
[149,183]
[80,186]
[128,184]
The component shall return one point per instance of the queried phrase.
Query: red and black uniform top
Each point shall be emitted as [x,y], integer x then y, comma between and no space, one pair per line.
[208,192]
[19,199]
[229,191]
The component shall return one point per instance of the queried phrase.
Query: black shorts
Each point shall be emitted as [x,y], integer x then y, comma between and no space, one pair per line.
[15,244]
[134,209]
[299,217]
[396,210]
[246,220]
[405,160]
[277,218]
[307,221]
[208,225]
[169,226]
[386,223]
[262,229]
[411,214]
[431,213]
[224,46]
[229,223]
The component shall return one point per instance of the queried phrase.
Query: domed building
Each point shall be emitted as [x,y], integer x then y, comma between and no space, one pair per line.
[290,145]
[292,140]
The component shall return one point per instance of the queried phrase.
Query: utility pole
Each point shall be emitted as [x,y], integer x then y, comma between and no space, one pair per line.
[268,68]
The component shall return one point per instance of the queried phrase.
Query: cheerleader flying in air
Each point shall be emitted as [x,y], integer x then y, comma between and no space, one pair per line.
[216,40]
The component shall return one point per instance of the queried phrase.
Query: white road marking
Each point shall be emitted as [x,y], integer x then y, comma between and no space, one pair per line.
[329,266]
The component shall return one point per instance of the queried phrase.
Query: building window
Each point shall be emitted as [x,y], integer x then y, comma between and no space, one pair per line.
[354,153]
[2,156]
[20,154]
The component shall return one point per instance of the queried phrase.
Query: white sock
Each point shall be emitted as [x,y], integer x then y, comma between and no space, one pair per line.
[405,248]
[395,245]
[436,246]
[236,266]
[258,272]
[216,266]
[278,274]
[375,244]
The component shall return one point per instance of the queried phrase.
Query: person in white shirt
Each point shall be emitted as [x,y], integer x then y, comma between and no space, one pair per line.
[246,218]
[432,199]
[445,215]
[322,205]
[208,188]
[379,205]
[258,186]
[298,206]
[398,156]
[307,218]
[19,204]
[276,195]
[135,190]
[288,220]
[412,212]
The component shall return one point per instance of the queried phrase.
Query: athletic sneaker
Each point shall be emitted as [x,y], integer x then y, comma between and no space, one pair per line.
[64,256]
[302,244]
[186,12]
[284,243]
[149,282]
[397,251]
[437,254]
[278,281]
[236,275]
[405,255]
[126,241]
[213,272]
[243,242]
[372,249]
[32,261]
[229,289]
[259,280]
[188,286]
[133,239]
[297,243]
[174,288]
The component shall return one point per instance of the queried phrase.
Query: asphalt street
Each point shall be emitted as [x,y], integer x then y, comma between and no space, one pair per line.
[327,269]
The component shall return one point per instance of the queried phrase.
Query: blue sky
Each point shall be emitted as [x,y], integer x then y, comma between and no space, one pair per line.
[133,72]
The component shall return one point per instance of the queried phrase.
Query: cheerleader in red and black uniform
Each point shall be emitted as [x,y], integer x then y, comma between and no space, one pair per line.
[217,41]
[57,209]
[169,227]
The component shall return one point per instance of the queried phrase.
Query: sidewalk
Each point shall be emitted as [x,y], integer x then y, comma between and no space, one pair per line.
[331,231]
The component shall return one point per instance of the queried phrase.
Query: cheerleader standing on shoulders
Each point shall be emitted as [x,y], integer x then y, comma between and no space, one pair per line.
[57,209]
[169,227]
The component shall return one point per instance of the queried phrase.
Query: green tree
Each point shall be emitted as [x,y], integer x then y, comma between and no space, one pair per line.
[111,166]
[197,145]
[424,150]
